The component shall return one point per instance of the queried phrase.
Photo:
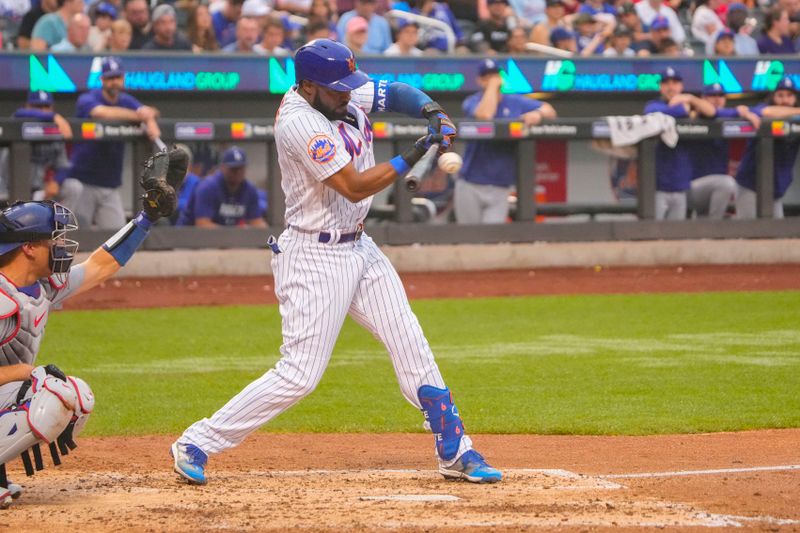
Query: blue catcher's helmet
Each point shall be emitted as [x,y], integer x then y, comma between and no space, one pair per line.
[40,221]
[330,64]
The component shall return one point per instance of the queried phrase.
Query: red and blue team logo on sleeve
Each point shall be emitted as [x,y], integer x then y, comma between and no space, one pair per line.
[321,149]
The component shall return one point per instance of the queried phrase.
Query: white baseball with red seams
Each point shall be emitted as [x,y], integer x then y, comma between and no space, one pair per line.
[319,283]
[450,162]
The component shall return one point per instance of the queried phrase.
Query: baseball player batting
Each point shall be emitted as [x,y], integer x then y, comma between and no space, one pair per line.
[325,266]
[41,405]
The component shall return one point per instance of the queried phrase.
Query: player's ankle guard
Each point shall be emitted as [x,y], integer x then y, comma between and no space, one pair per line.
[443,418]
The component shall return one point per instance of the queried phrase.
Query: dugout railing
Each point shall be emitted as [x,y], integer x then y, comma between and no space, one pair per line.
[401,229]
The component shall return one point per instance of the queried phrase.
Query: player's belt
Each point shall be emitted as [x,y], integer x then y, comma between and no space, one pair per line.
[331,237]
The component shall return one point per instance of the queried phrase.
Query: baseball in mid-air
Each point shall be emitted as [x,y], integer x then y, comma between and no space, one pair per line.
[450,162]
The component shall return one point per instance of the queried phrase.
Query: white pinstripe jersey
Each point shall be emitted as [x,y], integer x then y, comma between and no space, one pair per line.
[312,148]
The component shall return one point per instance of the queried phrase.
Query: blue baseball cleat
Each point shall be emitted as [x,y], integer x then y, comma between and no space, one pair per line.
[190,462]
[472,467]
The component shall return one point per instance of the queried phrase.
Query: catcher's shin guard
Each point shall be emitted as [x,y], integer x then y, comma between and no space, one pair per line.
[41,418]
[443,418]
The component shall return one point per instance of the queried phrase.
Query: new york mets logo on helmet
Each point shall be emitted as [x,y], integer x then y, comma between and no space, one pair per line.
[321,149]
[351,63]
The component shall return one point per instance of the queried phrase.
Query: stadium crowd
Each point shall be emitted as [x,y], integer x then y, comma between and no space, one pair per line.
[277,27]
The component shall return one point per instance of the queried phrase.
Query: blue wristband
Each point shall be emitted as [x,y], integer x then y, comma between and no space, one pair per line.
[399,164]
[126,241]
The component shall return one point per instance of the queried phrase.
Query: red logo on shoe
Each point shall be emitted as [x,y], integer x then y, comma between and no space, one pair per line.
[38,319]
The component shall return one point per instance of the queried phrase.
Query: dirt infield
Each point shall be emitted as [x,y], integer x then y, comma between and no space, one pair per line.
[748,480]
[160,292]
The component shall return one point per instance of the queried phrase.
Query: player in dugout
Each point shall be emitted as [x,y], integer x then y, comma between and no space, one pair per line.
[40,405]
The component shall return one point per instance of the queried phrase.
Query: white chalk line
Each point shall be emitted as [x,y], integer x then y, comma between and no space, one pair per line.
[702,472]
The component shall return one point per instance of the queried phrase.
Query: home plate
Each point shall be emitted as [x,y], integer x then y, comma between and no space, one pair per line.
[412,498]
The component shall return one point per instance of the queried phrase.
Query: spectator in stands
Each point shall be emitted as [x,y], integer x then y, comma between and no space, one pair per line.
[668,47]
[224,22]
[29,21]
[563,39]
[225,198]
[467,10]
[357,35]
[620,43]
[406,41]
[648,10]
[705,21]
[295,7]
[121,34]
[274,35]
[775,38]
[518,41]
[712,188]
[554,18]
[780,105]
[77,39]
[98,165]
[490,167]
[737,21]
[491,34]
[626,14]
[48,158]
[382,6]
[52,27]
[674,165]
[434,39]
[659,41]
[596,7]
[104,16]
[137,13]
[12,12]
[528,13]
[246,36]
[166,37]
[321,13]
[591,39]
[724,44]
[318,29]
[323,10]
[379,33]
[201,31]
[258,10]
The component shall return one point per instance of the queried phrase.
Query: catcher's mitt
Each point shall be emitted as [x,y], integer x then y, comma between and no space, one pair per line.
[161,177]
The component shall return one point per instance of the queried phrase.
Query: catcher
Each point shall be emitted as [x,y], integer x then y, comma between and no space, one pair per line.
[41,405]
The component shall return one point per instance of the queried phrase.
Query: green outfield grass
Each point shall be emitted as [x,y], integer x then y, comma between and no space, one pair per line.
[632,364]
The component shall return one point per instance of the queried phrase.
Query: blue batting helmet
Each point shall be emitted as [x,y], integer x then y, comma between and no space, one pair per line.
[40,221]
[330,64]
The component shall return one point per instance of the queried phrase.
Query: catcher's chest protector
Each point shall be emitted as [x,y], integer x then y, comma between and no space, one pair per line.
[26,318]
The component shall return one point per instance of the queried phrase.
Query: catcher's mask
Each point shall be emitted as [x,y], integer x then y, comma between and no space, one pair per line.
[40,221]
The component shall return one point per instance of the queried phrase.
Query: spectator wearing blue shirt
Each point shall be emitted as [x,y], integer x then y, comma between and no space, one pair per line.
[435,39]
[674,165]
[595,7]
[98,165]
[490,167]
[379,32]
[776,38]
[781,104]
[224,22]
[712,187]
[225,198]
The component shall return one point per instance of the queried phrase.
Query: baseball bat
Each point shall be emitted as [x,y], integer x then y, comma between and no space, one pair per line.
[160,144]
[421,168]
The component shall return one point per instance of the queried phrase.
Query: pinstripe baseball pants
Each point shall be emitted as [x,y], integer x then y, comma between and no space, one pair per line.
[317,285]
